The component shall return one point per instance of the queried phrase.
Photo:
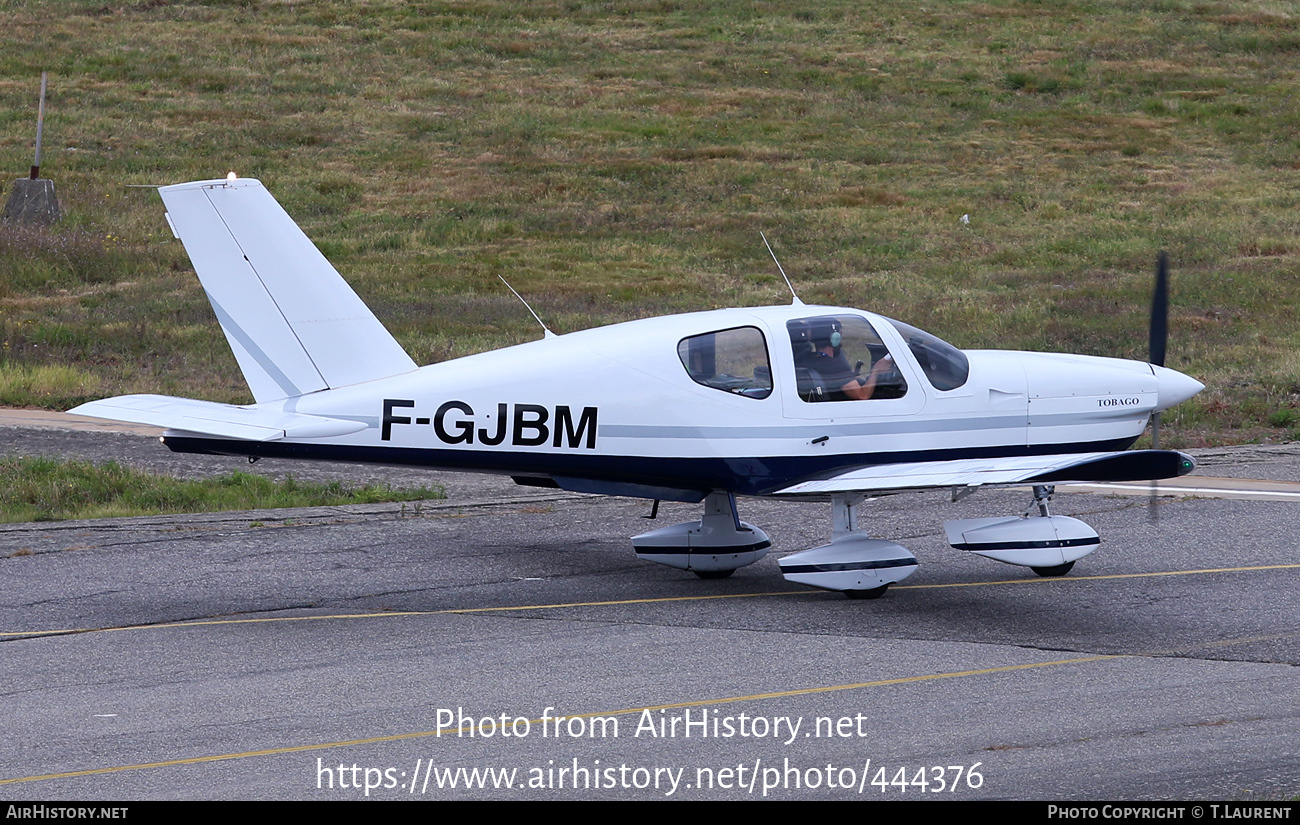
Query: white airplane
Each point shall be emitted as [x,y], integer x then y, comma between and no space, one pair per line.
[801,402]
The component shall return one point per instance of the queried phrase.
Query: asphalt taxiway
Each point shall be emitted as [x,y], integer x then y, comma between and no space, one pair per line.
[309,654]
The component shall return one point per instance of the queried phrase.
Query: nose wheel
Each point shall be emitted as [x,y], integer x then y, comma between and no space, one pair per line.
[1055,570]
[713,574]
[873,593]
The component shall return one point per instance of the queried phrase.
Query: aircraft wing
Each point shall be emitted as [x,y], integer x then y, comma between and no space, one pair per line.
[1131,465]
[225,420]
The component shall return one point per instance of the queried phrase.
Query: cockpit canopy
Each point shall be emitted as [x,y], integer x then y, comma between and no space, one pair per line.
[837,357]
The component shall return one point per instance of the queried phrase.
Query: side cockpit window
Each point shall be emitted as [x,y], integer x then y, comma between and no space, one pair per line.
[946,367]
[841,358]
[732,360]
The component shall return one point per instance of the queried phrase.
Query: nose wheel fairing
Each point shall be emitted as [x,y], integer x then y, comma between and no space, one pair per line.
[1040,541]
[1047,543]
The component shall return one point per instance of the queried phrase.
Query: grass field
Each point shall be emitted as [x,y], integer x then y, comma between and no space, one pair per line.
[617,160]
[43,489]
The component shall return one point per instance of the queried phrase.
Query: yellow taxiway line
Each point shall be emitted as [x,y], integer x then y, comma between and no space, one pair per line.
[615,602]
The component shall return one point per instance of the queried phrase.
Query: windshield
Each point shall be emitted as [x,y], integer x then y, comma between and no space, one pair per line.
[946,367]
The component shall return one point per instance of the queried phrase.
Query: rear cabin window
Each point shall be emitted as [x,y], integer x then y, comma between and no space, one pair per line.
[732,360]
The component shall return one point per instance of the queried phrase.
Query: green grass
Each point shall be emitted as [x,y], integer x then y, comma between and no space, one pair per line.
[36,385]
[617,160]
[43,489]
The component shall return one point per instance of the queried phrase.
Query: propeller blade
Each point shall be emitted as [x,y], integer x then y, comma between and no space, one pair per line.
[1159,337]
[1159,333]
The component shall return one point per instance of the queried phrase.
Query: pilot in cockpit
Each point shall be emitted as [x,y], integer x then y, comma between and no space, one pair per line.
[818,349]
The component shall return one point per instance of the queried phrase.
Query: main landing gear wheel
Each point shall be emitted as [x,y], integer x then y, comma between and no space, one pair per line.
[1054,570]
[873,593]
[713,574]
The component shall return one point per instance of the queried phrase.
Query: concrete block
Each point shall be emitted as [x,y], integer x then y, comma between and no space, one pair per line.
[32,202]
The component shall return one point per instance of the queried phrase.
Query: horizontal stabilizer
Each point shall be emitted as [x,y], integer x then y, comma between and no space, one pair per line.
[1133,465]
[294,324]
[225,420]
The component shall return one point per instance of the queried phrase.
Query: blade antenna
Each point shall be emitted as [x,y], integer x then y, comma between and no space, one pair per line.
[788,285]
[546,332]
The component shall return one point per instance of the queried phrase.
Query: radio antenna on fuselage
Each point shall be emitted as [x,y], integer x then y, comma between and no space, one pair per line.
[546,332]
[788,285]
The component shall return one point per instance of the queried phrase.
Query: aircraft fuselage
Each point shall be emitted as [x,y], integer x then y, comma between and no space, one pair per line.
[625,404]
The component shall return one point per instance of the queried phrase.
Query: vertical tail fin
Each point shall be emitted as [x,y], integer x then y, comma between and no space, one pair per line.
[294,324]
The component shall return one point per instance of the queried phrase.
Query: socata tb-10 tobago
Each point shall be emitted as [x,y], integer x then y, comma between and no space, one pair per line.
[785,401]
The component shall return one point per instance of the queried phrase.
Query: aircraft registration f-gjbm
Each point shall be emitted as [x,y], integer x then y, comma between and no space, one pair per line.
[793,401]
